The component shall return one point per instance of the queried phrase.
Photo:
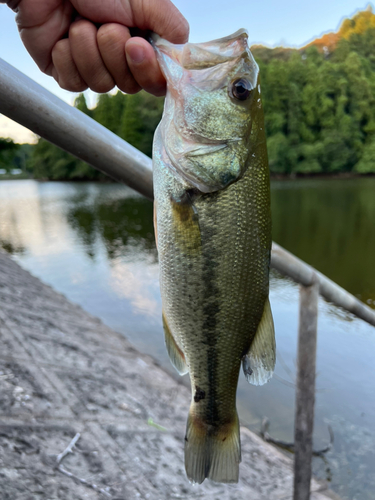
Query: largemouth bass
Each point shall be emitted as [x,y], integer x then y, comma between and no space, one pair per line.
[213,232]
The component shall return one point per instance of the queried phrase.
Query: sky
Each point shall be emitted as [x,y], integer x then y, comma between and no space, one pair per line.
[290,23]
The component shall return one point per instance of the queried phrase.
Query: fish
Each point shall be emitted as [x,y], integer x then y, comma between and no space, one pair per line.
[212,223]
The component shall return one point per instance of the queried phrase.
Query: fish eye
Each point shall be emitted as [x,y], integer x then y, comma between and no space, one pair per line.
[240,89]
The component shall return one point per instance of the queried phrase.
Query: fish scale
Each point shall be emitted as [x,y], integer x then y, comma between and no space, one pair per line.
[213,231]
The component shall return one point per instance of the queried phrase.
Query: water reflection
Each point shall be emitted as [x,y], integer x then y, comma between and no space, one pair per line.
[120,223]
[331,225]
[128,282]
[12,249]
[95,244]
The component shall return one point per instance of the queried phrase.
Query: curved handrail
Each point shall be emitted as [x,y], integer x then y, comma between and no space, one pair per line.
[34,107]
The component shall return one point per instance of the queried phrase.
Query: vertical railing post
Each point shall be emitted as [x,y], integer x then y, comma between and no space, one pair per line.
[305,394]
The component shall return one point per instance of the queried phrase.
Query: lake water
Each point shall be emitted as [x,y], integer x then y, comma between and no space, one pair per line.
[95,244]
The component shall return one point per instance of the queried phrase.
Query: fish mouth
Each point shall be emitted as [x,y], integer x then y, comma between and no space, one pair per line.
[203,55]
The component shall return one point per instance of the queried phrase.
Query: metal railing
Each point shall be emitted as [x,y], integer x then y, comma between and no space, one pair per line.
[29,104]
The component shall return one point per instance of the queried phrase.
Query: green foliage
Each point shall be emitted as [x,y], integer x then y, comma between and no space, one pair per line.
[50,162]
[320,107]
[8,145]
[132,125]
[109,111]
[13,155]
[7,153]
[81,104]
[22,155]
[132,117]
[366,164]
[141,116]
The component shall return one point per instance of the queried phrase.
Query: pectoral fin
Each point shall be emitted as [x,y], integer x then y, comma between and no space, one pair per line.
[175,353]
[259,362]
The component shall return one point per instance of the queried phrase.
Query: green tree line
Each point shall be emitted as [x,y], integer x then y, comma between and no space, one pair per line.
[12,155]
[319,105]
[132,117]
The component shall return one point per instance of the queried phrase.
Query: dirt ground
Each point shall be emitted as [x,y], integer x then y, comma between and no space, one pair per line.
[63,376]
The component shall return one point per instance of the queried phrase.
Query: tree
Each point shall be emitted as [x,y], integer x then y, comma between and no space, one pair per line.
[366,164]
[320,105]
[8,151]
[81,104]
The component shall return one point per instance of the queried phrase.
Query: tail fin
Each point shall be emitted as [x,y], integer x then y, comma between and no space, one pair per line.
[211,452]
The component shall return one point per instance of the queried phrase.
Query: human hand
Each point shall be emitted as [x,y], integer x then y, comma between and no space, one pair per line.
[88,43]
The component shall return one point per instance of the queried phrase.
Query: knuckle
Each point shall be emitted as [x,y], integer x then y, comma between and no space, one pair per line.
[101,89]
[179,32]
[156,88]
[74,29]
[129,86]
[150,78]
[111,30]
[105,84]
[72,86]
[70,81]
[105,33]
[157,92]
[77,27]
[60,48]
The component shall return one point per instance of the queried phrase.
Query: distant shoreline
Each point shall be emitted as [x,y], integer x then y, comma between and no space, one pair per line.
[339,175]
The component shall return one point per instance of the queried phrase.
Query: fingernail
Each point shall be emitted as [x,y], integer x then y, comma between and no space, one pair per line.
[137,54]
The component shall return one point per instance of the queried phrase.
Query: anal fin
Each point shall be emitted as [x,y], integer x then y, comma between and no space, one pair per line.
[175,353]
[258,364]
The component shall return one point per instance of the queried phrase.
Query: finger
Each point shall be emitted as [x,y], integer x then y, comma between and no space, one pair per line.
[162,17]
[142,63]
[111,39]
[86,55]
[41,28]
[64,70]
[12,4]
